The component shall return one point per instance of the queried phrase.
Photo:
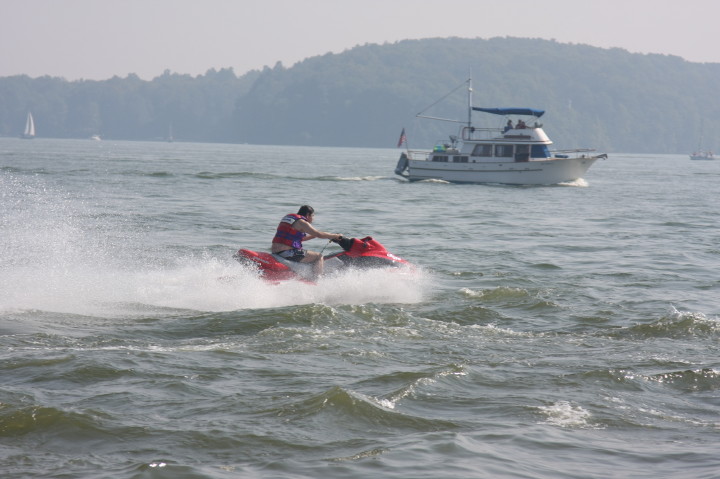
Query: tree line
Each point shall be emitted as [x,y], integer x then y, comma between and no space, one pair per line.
[609,99]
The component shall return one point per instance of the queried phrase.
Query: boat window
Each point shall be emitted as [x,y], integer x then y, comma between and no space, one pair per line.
[460,159]
[522,152]
[482,150]
[504,151]
[540,151]
[437,157]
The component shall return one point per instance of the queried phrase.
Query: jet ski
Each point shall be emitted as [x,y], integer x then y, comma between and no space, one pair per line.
[365,253]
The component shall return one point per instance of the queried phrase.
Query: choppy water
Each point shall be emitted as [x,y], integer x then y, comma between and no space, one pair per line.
[551,332]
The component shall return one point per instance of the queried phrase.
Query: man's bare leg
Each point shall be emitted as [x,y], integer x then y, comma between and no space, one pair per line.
[317,260]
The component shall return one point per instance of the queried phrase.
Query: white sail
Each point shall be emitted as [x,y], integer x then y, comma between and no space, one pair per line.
[29,127]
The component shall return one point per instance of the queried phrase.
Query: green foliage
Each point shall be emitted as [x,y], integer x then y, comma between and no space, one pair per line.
[611,100]
[608,99]
[193,108]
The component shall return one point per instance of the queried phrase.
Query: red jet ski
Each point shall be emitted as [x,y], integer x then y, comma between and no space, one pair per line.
[366,253]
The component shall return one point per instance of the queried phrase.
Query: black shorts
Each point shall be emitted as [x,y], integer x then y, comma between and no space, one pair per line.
[296,255]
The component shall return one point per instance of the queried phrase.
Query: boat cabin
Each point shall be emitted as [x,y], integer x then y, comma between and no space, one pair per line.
[492,144]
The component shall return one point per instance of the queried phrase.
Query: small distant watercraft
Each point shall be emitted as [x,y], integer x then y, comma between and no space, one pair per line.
[29,132]
[515,155]
[702,155]
[365,253]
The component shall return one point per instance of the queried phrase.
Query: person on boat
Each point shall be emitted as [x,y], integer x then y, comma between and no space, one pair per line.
[292,231]
[508,127]
[521,125]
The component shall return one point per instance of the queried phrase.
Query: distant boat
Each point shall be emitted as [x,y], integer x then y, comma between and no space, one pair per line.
[703,155]
[29,132]
[96,138]
[515,155]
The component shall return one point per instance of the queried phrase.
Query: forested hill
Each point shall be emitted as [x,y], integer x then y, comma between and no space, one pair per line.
[608,99]
[190,108]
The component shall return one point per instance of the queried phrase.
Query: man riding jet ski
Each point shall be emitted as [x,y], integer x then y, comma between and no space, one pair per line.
[292,231]
[365,253]
[290,260]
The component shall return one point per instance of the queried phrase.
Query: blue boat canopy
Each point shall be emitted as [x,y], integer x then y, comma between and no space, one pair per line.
[511,111]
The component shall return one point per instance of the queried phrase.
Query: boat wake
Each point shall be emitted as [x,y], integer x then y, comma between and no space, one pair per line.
[433,180]
[355,178]
[580,183]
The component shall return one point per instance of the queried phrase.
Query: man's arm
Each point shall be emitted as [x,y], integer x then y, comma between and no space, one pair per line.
[307,228]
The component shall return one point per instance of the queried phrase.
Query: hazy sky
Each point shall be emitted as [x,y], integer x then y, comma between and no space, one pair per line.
[97,39]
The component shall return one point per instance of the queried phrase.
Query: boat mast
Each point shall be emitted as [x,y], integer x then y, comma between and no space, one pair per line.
[470,91]
[469,82]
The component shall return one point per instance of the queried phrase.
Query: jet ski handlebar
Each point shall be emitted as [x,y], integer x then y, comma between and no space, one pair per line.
[344,242]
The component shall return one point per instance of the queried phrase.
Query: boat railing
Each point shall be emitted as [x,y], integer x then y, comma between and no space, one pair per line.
[575,150]
[470,133]
[576,153]
[419,154]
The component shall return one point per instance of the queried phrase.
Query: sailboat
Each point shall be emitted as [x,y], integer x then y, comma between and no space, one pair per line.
[29,133]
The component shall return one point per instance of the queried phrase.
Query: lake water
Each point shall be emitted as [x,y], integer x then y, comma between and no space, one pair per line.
[550,332]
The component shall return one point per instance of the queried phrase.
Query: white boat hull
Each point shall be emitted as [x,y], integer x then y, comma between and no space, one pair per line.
[535,172]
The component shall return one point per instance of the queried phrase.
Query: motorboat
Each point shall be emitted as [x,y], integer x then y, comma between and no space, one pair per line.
[700,153]
[703,155]
[516,154]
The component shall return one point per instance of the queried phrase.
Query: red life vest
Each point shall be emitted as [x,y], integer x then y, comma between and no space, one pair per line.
[288,235]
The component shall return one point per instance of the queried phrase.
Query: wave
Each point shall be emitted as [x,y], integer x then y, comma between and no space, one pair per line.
[500,293]
[675,325]
[24,171]
[357,412]
[509,296]
[691,380]
[567,415]
[47,422]
[149,174]
[207,175]
[633,381]
[352,178]
[413,383]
